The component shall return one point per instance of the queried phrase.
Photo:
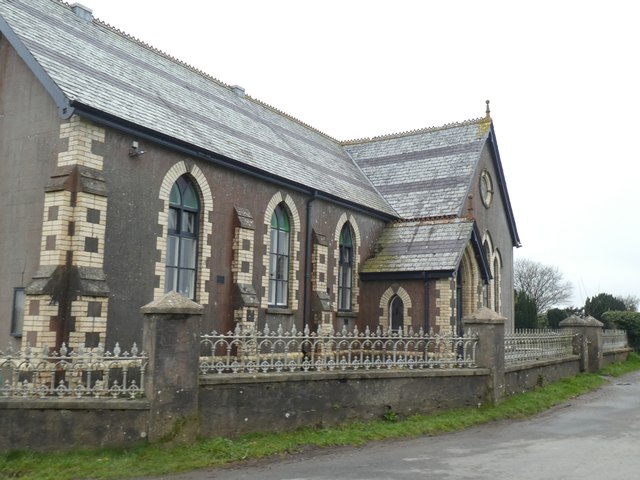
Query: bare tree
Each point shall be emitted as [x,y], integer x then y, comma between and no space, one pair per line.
[631,302]
[545,284]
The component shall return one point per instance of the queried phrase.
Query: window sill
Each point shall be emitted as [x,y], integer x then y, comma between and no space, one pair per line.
[279,311]
[346,314]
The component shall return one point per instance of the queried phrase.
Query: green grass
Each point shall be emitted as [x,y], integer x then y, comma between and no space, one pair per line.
[162,458]
[620,368]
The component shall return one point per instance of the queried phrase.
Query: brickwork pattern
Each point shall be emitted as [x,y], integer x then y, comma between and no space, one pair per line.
[81,135]
[471,283]
[242,264]
[445,301]
[73,229]
[84,229]
[90,314]
[39,314]
[319,276]
[56,240]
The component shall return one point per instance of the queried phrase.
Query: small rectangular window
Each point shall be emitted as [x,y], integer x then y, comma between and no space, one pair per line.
[17,317]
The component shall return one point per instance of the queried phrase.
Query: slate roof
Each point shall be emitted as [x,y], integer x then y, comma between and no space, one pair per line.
[420,246]
[99,71]
[426,173]
[99,67]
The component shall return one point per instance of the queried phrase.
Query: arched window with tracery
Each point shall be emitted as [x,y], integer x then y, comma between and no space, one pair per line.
[182,238]
[279,257]
[345,271]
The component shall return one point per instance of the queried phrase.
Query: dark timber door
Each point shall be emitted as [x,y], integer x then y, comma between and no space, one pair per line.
[396,309]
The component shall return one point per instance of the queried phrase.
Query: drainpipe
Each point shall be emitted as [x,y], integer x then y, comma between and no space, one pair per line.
[306,304]
[426,302]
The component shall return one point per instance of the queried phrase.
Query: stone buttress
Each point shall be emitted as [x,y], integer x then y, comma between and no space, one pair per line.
[66,300]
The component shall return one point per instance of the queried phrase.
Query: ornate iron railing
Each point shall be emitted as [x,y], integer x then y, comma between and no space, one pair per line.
[614,340]
[79,373]
[279,351]
[532,345]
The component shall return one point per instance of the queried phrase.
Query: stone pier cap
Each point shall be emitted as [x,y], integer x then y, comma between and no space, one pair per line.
[173,302]
[576,321]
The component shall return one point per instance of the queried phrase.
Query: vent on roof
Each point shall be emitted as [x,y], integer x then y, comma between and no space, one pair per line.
[82,12]
[238,90]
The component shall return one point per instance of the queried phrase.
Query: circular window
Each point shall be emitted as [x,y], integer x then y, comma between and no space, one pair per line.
[486,188]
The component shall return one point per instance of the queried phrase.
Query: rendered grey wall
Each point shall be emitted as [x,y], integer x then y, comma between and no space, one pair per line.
[29,144]
[526,377]
[58,425]
[231,405]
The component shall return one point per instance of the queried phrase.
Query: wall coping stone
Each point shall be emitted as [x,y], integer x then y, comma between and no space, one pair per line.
[540,363]
[230,378]
[73,404]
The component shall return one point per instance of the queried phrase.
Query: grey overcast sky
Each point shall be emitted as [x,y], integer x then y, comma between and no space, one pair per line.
[562,77]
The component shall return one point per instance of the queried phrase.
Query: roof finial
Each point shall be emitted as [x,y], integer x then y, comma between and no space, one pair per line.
[488,112]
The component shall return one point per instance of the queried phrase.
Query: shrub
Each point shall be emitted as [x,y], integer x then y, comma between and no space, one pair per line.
[629,321]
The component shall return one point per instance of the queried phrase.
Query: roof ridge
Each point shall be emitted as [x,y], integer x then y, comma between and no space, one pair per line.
[206,75]
[417,131]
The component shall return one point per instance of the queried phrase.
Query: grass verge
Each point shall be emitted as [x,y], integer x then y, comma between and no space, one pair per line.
[160,459]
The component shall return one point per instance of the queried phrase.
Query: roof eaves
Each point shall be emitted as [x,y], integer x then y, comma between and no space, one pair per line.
[503,188]
[406,275]
[120,124]
[480,253]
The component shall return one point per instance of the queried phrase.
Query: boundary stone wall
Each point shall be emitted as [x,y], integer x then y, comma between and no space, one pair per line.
[182,405]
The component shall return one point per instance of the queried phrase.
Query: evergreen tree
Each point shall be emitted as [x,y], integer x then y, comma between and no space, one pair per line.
[603,302]
[526,312]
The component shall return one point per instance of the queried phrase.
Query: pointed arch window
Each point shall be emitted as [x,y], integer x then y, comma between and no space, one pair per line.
[496,285]
[345,271]
[279,258]
[182,238]
[486,294]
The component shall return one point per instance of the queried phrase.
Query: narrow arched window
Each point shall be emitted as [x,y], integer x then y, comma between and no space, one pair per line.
[345,271]
[279,258]
[396,312]
[486,294]
[496,285]
[182,238]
